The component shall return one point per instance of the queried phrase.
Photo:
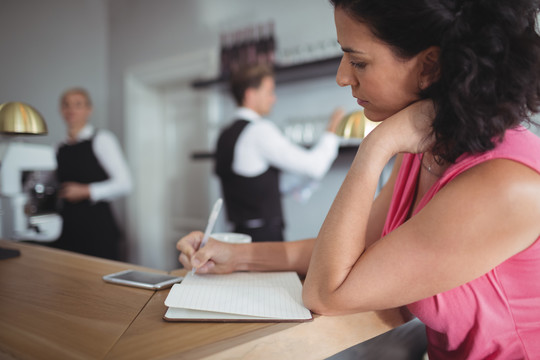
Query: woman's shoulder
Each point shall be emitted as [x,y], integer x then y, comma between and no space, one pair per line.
[519,140]
[511,169]
[518,144]
[504,172]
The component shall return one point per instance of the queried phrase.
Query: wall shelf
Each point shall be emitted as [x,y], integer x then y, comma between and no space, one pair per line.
[289,73]
[209,155]
[283,74]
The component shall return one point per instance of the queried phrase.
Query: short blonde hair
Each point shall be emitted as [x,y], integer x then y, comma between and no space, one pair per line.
[79,91]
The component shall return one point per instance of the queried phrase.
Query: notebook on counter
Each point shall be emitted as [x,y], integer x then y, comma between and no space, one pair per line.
[241,296]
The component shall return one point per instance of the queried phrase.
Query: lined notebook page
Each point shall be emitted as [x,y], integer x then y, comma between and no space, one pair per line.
[275,295]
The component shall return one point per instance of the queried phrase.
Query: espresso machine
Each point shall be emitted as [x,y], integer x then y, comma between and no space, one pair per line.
[28,192]
[28,186]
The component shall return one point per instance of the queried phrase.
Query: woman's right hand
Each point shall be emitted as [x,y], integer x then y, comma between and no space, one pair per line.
[215,257]
[408,131]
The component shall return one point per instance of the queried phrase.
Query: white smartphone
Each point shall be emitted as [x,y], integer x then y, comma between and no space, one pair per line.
[143,279]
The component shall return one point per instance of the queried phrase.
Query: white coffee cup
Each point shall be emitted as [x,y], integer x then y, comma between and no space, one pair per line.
[233,238]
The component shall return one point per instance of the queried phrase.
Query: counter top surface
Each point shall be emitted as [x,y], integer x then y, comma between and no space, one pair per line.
[54,304]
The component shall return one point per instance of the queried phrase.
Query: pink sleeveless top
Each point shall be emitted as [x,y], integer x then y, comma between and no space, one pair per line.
[496,316]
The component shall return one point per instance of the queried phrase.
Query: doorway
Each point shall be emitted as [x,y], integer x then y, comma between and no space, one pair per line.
[166,121]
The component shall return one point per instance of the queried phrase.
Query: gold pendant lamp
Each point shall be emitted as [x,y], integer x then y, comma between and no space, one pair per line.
[355,126]
[22,119]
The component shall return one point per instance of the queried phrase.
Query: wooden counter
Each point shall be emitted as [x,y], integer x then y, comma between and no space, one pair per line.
[54,304]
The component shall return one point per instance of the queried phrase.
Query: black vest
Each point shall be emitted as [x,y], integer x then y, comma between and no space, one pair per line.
[246,198]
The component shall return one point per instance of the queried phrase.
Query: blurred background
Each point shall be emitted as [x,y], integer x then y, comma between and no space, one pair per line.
[152,68]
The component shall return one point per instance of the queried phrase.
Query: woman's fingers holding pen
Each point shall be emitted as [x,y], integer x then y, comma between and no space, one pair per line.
[185,261]
[191,255]
[205,268]
[188,245]
[215,257]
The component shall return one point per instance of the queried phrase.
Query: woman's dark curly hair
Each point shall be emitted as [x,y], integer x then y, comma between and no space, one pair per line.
[489,62]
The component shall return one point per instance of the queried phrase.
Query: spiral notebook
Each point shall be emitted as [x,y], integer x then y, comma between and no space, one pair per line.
[242,296]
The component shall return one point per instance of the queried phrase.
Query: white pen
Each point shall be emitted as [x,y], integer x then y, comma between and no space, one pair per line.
[211,222]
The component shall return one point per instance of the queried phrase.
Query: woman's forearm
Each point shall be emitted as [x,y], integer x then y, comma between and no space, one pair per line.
[342,238]
[341,242]
[275,256]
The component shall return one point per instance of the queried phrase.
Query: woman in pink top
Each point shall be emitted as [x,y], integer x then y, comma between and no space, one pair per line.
[454,235]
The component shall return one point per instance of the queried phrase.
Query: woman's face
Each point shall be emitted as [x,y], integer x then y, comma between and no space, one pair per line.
[382,83]
[75,110]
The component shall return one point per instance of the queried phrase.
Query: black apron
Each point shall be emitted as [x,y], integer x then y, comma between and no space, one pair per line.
[88,228]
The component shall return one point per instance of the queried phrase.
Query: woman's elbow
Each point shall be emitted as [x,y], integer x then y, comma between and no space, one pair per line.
[319,303]
[333,303]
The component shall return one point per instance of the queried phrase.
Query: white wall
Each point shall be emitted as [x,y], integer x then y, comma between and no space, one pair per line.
[48,46]
[54,44]
[143,31]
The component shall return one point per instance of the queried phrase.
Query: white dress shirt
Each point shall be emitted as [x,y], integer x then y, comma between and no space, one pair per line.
[261,144]
[110,156]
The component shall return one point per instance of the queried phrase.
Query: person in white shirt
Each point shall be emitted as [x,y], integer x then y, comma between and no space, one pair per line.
[252,151]
[91,171]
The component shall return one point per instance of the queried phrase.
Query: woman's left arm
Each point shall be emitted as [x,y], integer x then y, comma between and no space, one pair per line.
[475,222]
